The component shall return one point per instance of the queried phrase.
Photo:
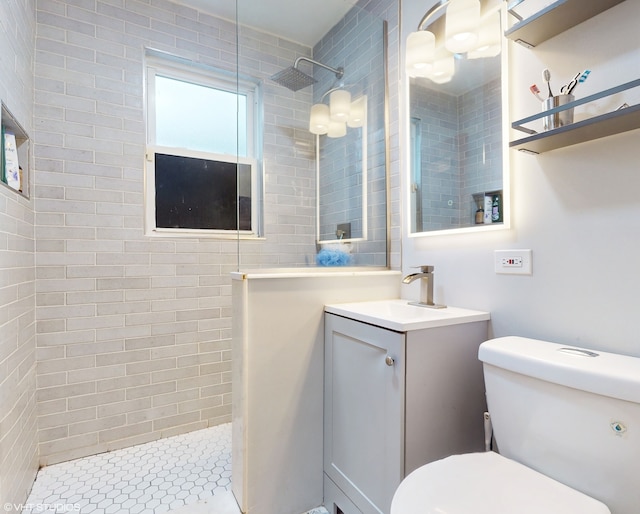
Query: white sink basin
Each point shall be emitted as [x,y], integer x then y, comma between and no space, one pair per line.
[398,315]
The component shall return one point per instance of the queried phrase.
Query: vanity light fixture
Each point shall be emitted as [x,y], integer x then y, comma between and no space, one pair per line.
[342,112]
[443,70]
[420,50]
[471,27]
[358,114]
[462,25]
[489,38]
[319,119]
[340,105]
[337,129]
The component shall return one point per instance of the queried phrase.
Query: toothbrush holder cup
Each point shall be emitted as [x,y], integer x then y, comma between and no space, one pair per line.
[557,119]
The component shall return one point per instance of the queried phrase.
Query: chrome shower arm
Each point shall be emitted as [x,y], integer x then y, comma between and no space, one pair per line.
[339,71]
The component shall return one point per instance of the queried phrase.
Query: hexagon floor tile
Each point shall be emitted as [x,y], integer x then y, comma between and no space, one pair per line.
[151,478]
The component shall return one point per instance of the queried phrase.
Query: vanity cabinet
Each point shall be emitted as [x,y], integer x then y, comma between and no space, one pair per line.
[394,401]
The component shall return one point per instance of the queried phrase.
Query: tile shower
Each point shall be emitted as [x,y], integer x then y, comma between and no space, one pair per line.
[155,477]
[184,474]
[116,340]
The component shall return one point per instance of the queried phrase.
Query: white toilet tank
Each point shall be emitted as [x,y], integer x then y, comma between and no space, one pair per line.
[572,414]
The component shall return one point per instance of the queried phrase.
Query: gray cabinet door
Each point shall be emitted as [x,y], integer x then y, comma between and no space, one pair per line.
[364,411]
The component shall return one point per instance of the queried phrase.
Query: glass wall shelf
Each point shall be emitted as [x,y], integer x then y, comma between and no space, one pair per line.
[553,19]
[623,119]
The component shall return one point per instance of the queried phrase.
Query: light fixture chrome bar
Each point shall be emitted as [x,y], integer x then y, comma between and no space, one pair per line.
[431,13]
[339,86]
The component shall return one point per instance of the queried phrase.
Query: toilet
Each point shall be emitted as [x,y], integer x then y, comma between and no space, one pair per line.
[566,422]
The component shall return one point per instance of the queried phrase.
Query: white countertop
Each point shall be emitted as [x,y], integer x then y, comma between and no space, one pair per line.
[398,315]
[311,271]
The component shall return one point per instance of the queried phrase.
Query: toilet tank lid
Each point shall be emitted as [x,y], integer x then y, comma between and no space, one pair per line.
[603,373]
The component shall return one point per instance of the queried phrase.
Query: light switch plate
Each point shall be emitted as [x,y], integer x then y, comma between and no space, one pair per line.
[513,262]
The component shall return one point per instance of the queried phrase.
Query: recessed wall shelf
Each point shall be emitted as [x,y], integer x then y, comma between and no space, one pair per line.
[10,124]
[553,19]
[607,124]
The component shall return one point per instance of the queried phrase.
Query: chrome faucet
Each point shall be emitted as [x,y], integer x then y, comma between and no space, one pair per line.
[426,287]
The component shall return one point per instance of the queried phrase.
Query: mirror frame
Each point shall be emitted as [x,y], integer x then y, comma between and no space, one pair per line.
[406,150]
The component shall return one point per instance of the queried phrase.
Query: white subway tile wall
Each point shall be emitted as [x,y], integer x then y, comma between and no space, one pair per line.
[18,438]
[441,175]
[133,333]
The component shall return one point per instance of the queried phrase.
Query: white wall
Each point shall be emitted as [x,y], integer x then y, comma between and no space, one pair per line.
[577,208]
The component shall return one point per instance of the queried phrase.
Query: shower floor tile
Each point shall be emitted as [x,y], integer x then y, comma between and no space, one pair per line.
[184,474]
[151,478]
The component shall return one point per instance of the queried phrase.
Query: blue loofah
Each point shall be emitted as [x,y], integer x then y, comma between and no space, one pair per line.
[333,257]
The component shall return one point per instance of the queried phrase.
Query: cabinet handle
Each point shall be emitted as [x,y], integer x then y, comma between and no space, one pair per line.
[389,360]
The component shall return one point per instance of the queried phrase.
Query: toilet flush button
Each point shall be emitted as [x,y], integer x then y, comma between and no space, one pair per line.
[618,427]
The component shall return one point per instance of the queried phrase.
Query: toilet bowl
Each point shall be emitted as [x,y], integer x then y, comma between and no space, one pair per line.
[564,422]
[487,483]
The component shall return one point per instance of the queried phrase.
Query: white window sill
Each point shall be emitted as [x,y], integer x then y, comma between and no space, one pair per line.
[205,234]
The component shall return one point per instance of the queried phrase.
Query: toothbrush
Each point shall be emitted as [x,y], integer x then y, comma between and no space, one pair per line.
[582,78]
[546,75]
[567,88]
[536,92]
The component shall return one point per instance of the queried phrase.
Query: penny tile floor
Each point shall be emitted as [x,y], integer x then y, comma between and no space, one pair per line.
[184,474]
[152,478]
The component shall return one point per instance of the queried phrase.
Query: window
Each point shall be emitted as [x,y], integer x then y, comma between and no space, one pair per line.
[202,151]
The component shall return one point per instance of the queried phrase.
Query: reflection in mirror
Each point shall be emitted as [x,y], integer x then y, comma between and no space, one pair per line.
[341,171]
[351,164]
[456,144]
[320,187]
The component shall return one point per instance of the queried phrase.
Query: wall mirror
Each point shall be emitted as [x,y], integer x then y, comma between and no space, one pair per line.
[322,70]
[341,173]
[350,155]
[457,123]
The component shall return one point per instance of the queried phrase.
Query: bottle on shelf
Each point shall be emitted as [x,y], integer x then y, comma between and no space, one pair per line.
[496,209]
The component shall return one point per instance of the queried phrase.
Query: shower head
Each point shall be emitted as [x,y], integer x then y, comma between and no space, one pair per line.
[294,79]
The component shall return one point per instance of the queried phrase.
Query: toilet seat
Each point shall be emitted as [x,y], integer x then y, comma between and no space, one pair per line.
[487,483]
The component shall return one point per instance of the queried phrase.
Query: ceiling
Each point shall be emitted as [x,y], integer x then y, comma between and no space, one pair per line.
[302,21]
